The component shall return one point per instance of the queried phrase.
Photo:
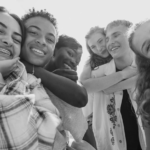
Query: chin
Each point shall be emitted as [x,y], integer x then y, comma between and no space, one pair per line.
[37,62]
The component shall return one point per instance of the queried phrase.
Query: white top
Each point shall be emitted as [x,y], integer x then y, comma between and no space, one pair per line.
[107,120]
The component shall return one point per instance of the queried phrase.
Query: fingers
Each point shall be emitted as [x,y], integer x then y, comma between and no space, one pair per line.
[65,71]
[15,60]
[72,75]
[14,63]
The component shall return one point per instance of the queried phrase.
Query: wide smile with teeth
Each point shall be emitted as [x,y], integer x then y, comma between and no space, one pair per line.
[67,66]
[38,52]
[5,52]
[115,48]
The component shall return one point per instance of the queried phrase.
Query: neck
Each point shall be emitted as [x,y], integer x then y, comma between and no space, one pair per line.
[124,61]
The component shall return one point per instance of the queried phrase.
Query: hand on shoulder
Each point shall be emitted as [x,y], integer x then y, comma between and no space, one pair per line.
[7,66]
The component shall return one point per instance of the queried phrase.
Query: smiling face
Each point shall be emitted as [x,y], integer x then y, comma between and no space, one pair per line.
[97,44]
[117,41]
[66,58]
[40,41]
[141,40]
[10,37]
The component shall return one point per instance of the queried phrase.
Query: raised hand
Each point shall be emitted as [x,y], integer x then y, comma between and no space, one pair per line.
[7,66]
[71,74]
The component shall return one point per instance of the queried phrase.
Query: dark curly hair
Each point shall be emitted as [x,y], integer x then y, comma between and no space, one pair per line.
[66,41]
[42,13]
[22,27]
[96,60]
[143,81]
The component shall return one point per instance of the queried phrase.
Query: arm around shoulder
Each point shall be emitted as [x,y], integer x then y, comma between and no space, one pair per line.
[64,88]
[99,83]
[126,84]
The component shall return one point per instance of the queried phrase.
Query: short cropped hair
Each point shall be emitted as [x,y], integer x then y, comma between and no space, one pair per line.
[115,23]
[66,41]
[42,13]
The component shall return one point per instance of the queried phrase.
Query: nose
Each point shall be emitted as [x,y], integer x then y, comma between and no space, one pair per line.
[41,41]
[110,43]
[98,47]
[7,41]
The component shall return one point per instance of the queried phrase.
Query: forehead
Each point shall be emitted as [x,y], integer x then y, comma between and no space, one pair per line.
[66,48]
[141,35]
[118,28]
[94,38]
[10,22]
[45,25]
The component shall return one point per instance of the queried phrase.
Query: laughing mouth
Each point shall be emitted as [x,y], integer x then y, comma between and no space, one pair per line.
[38,51]
[5,52]
[114,48]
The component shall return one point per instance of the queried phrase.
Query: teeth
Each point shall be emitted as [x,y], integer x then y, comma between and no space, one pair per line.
[38,51]
[114,48]
[5,51]
[68,67]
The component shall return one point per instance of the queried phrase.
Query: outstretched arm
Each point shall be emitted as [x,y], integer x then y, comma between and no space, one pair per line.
[100,83]
[126,84]
[104,82]
[64,88]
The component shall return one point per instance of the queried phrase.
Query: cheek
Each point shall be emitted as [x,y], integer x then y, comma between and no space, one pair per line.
[17,50]
[50,50]
[60,58]
[93,50]
[28,40]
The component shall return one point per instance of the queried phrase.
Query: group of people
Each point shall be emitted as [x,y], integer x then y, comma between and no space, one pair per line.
[43,103]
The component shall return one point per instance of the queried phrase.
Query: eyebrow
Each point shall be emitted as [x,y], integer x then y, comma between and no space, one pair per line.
[2,24]
[34,27]
[18,34]
[116,32]
[92,46]
[40,30]
[70,49]
[107,37]
[99,39]
[51,34]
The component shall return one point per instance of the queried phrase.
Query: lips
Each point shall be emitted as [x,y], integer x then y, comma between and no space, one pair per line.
[37,51]
[115,48]
[6,53]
